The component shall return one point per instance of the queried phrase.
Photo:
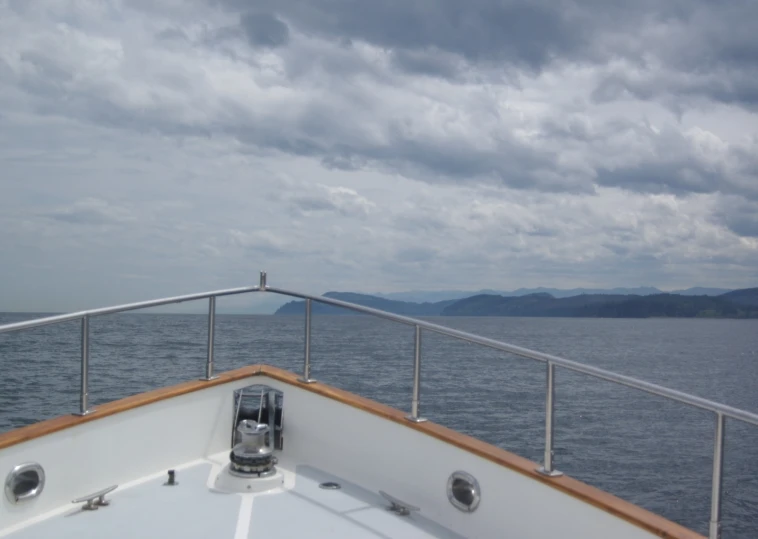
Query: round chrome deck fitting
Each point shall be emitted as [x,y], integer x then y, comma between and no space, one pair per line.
[24,482]
[330,485]
[463,491]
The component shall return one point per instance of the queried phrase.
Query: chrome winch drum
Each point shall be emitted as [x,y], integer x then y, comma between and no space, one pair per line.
[252,456]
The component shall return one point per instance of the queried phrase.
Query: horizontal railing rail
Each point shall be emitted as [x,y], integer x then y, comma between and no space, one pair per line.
[575,366]
[721,411]
[84,317]
[56,319]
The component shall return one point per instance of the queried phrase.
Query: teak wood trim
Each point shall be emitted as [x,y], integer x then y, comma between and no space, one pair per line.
[594,496]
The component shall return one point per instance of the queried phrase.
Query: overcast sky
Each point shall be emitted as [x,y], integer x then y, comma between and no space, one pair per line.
[157,147]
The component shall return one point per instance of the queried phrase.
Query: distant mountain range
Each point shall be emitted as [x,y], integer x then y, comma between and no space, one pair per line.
[398,307]
[733,304]
[419,296]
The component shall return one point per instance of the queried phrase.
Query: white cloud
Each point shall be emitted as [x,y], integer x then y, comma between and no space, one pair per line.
[146,153]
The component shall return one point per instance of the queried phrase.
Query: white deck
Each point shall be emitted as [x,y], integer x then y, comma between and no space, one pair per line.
[364,452]
[193,510]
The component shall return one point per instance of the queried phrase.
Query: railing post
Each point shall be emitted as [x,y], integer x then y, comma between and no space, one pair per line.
[714,529]
[306,378]
[414,415]
[84,393]
[211,338]
[547,466]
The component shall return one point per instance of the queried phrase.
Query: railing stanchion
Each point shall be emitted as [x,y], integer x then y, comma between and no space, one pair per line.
[414,416]
[211,338]
[306,378]
[84,393]
[547,466]
[714,529]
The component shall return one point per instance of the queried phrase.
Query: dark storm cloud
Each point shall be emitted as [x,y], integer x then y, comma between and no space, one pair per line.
[705,50]
[264,30]
[527,34]
[738,87]
[680,177]
[739,215]
[711,44]
[431,62]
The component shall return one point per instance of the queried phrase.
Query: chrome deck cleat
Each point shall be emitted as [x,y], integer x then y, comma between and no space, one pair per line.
[95,500]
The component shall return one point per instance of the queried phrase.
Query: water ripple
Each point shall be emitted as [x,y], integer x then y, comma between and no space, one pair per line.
[650,451]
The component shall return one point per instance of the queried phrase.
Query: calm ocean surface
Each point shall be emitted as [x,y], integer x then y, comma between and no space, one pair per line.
[645,449]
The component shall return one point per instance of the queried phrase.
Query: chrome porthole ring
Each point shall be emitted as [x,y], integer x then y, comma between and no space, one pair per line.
[24,482]
[463,491]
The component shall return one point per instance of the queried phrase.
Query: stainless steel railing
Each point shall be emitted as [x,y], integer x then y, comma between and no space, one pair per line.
[721,411]
[85,316]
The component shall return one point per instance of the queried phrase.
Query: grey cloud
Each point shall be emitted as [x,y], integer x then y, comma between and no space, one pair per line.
[59,93]
[681,91]
[322,132]
[535,32]
[306,199]
[526,34]
[573,128]
[672,162]
[312,203]
[433,63]
[19,6]
[376,126]
[612,88]
[47,69]
[422,220]
[739,215]
[343,159]
[264,29]
[171,34]
[705,50]
[742,90]
[710,45]
[725,31]
[415,254]
[82,217]
[661,177]
[90,212]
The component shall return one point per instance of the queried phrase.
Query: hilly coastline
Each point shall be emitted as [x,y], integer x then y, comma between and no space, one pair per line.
[407,308]
[433,296]
[734,304]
